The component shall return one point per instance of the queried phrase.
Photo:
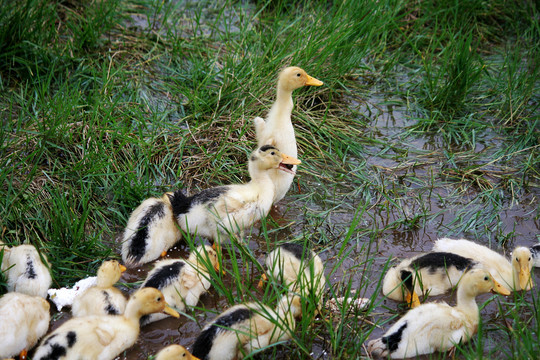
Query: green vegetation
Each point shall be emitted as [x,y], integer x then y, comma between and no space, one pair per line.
[427,125]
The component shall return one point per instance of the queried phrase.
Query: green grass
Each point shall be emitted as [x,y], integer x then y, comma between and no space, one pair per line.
[427,125]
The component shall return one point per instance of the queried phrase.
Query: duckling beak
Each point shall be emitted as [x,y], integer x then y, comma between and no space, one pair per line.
[264,278]
[311,81]
[170,311]
[525,276]
[287,163]
[194,357]
[499,289]
[412,300]
[122,268]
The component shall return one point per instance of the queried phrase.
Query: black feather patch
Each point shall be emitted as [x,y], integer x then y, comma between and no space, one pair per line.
[441,260]
[57,350]
[180,203]
[299,251]
[209,195]
[110,308]
[164,275]
[71,338]
[30,271]
[267,147]
[407,278]
[137,246]
[392,341]
[205,340]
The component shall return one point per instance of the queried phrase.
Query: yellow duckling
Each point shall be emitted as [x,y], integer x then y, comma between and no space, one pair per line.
[299,269]
[151,230]
[515,275]
[278,130]
[102,337]
[175,352]
[426,274]
[25,271]
[182,282]
[437,326]
[104,298]
[232,208]
[248,326]
[24,319]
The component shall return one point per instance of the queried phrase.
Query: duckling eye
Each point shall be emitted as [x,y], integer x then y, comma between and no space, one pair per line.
[298,75]
[273,153]
[159,299]
[486,278]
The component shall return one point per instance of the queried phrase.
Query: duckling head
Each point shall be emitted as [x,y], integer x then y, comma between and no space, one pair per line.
[204,254]
[522,265]
[291,304]
[480,281]
[148,301]
[293,77]
[175,352]
[109,273]
[268,157]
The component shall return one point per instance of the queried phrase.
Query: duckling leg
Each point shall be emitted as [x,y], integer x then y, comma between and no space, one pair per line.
[263,279]
[23,354]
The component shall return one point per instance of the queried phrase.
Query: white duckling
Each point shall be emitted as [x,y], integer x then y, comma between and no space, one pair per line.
[232,208]
[151,231]
[247,326]
[299,269]
[25,271]
[104,298]
[428,274]
[437,326]
[535,252]
[182,282]
[278,130]
[515,275]
[175,352]
[102,337]
[24,319]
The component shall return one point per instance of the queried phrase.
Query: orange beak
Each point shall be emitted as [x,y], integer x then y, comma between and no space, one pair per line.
[122,268]
[412,300]
[311,81]
[499,289]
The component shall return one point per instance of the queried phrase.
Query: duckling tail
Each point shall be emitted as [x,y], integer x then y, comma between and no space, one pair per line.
[180,203]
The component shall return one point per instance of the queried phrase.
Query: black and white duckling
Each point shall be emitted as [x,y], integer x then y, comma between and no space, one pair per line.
[232,208]
[25,271]
[437,326]
[102,337]
[151,231]
[278,130]
[248,327]
[182,282]
[24,319]
[515,275]
[104,298]
[299,269]
[426,274]
[175,352]
[535,252]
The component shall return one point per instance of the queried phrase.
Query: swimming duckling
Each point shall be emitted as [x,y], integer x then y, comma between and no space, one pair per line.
[437,326]
[299,269]
[232,208]
[175,352]
[24,319]
[151,231]
[182,282]
[535,252]
[278,130]
[249,326]
[515,275]
[426,274]
[102,337]
[104,298]
[24,270]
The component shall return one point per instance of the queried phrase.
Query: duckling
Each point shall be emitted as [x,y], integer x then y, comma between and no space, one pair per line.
[248,326]
[24,319]
[232,208]
[299,269]
[25,271]
[182,282]
[437,326]
[151,231]
[175,352]
[427,274]
[104,298]
[278,130]
[515,275]
[535,252]
[102,336]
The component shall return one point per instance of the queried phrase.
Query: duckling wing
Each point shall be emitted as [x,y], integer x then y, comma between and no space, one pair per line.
[239,208]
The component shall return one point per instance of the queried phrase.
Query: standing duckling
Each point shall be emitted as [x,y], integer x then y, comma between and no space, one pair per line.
[151,230]
[437,326]
[175,352]
[24,319]
[232,208]
[428,274]
[516,275]
[182,282]
[102,337]
[104,298]
[278,130]
[25,271]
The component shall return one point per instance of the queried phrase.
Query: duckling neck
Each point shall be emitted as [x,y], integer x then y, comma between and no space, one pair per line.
[280,112]
[466,302]
[133,312]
